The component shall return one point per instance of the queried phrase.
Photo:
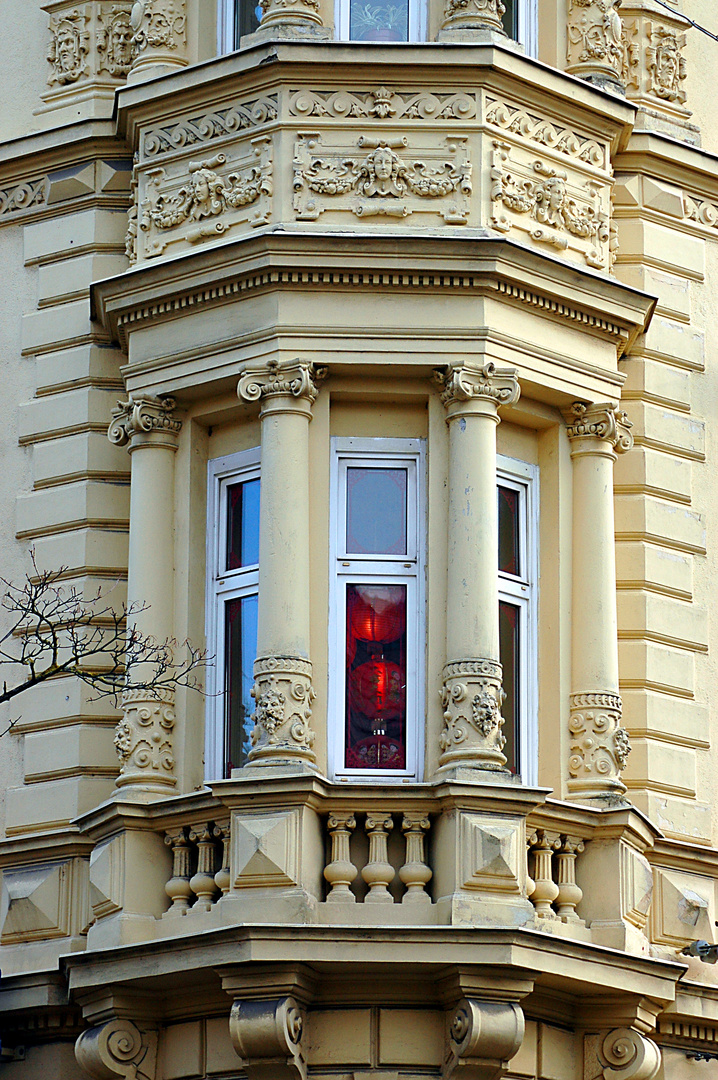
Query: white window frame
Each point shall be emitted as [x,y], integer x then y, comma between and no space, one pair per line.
[346,569]
[222,585]
[527,18]
[226,26]
[417,21]
[522,592]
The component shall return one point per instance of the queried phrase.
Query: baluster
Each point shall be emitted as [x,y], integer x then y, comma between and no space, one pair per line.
[341,871]
[415,874]
[545,888]
[378,872]
[178,887]
[202,883]
[569,894]
[222,878]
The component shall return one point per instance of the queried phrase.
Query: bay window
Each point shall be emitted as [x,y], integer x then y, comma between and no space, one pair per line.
[376,608]
[233,575]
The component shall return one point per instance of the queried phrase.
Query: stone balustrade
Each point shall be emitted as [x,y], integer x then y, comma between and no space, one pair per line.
[375,869]
[200,867]
[552,866]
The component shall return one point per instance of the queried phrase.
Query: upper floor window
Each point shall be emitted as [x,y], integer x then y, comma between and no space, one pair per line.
[233,578]
[375,20]
[376,608]
[518,630]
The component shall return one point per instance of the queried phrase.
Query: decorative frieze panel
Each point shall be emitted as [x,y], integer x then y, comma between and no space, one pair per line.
[90,48]
[556,209]
[382,178]
[508,117]
[191,201]
[594,41]
[384,104]
[160,140]
[654,65]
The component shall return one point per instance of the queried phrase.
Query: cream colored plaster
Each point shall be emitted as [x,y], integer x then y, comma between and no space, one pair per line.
[340,1036]
[411,1038]
[181,1051]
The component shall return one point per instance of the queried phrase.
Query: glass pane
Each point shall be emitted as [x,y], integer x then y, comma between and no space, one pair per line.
[242,525]
[375,711]
[379,20]
[510,19]
[376,511]
[240,653]
[509,643]
[248,16]
[509,561]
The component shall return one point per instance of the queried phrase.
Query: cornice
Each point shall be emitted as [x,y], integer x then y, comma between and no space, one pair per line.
[688,167]
[341,65]
[478,264]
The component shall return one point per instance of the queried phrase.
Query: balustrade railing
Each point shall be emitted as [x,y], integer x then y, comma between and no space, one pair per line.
[378,872]
[200,867]
[552,868]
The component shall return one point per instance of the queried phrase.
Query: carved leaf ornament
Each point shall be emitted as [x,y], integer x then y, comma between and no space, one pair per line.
[207,194]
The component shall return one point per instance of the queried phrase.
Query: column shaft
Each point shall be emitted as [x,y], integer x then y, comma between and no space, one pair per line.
[472,693]
[282,671]
[599,745]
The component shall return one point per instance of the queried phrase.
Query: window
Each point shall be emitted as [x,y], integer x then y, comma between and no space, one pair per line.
[376,608]
[521,23]
[233,577]
[236,19]
[518,633]
[380,20]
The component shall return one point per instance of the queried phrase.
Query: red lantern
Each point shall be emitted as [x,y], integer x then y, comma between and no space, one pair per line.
[377,689]
[376,752]
[378,615]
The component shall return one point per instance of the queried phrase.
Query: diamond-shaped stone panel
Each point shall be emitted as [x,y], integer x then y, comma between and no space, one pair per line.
[489,853]
[265,849]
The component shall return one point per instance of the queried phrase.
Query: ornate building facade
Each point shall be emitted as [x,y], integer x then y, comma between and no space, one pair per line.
[370,347]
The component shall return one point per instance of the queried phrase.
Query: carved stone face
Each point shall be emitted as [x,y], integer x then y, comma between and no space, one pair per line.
[383,163]
[556,193]
[200,187]
[667,64]
[68,47]
[121,41]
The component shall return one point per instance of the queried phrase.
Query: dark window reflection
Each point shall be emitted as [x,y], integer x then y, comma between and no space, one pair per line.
[376,511]
[375,709]
[509,554]
[510,19]
[242,525]
[509,615]
[240,653]
[248,15]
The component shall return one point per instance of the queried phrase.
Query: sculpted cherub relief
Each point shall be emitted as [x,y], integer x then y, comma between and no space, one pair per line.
[205,195]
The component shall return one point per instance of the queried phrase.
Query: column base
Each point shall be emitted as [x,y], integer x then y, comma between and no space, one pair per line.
[472,697]
[284,695]
[599,746]
[144,742]
[288,31]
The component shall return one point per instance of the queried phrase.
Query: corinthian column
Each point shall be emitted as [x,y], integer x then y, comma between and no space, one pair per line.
[472,20]
[283,690]
[144,738]
[472,692]
[599,745]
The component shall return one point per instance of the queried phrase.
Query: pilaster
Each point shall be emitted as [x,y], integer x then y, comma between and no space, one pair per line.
[599,745]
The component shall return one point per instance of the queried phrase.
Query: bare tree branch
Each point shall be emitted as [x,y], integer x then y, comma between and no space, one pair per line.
[54,632]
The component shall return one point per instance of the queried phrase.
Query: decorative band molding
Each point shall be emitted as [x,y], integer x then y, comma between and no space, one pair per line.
[597,700]
[457,669]
[276,665]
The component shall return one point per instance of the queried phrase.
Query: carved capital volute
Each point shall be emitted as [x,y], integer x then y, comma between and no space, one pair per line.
[483,1037]
[621,1054]
[488,385]
[281,384]
[267,1035]
[589,426]
[144,420]
[118,1049]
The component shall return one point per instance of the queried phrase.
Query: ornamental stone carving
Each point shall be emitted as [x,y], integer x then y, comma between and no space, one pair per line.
[169,138]
[118,1049]
[483,1037]
[595,48]
[384,103]
[295,378]
[498,385]
[159,33]
[472,697]
[654,63]
[114,41]
[666,63]
[144,739]
[197,200]
[601,421]
[621,1054]
[267,1035]
[379,181]
[283,695]
[568,142]
[144,415]
[599,745]
[297,14]
[69,46]
[561,211]
[472,16]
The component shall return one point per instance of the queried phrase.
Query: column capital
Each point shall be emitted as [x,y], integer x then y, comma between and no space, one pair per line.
[296,379]
[144,420]
[497,386]
[602,421]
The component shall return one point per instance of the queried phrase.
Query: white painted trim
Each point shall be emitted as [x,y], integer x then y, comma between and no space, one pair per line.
[374,569]
[528,26]
[522,591]
[222,586]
